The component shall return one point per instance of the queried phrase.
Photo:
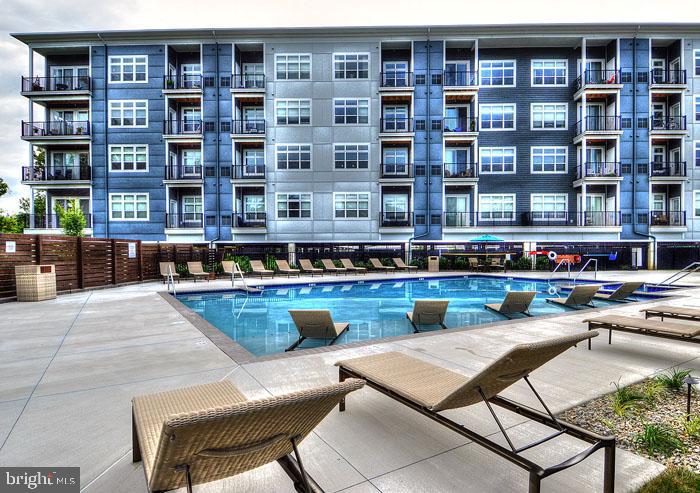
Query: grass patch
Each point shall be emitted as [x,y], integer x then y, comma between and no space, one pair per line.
[659,438]
[625,399]
[673,379]
[673,480]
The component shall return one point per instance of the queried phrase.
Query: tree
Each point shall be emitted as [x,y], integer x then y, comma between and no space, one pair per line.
[3,187]
[39,204]
[72,219]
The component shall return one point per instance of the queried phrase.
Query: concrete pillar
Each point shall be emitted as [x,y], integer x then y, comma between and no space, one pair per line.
[291,253]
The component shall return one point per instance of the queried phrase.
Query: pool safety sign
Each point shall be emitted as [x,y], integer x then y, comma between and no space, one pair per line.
[132,250]
[10,247]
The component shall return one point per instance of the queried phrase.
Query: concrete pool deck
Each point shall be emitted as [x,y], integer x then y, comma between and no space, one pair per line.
[70,367]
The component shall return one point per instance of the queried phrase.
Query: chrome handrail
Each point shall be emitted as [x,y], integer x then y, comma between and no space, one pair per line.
[595,275]
[685,271]
[171,280]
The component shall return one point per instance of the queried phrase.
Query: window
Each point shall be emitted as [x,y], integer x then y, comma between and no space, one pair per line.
[293,67]
[549,72]
[497,207]
[548,159]
[351,65]
[497,73]
[191,162]
[293,111]
[395,207]
[395,119]
[548,206]
[497,159]
[128,206]
[696,152]
[697,108]
[128,158]
[497,116]
[293,156]
[192,209]
[351,156]
[696,62]
[293,205]
[548,116]
[128,69]
[696,203]
[351,205]
[395,161]
[125,113]
[351,111]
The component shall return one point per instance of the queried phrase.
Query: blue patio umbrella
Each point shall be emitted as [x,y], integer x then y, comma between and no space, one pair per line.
[486,238]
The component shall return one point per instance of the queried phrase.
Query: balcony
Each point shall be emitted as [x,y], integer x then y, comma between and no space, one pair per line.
[460,171]
[249,82]
[672,169]
[460,128]
[665,79]
[56,86]
[56,130]
[397,171]
[183,173]
[248,128]
[186,220]
[185,83]
[598,80]
[601,127]
[454,79]
[669,219]
[182,129]
[667,125]
[64,174]
[396,80]
[603,219]
[49,221]
[456,220]
[599,169]
[395,220]
[249,172]
[396,125]
[250,220]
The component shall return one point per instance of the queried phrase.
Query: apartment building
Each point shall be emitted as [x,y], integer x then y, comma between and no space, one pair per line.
[369,135]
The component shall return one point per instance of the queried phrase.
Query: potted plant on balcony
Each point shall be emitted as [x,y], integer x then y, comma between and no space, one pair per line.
[169,83]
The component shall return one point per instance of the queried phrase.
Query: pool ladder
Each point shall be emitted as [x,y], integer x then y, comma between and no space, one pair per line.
[685,271]
[568,268]
[171,280]
[595,274]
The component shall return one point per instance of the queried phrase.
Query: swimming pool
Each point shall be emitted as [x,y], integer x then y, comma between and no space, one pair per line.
[375,309]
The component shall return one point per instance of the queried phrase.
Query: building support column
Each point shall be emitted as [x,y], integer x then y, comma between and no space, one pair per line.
[292,253]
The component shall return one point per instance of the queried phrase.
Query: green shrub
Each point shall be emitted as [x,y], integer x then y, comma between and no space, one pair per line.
[72,219]
[652,390]
[444,263]
[522,263]
[270,263]
[461,263]
[543,263]
[318,264]
[673,379]
[182,269]
[420,262]
[659,438]
[692,426]
[243,262]
[625,399]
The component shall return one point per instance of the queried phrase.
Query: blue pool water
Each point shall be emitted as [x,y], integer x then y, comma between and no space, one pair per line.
[262,325]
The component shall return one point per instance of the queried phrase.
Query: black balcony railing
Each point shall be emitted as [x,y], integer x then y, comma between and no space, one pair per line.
[249,171]
[49,221]
[667,218]
[250,220]
[395,219]
[459,219]
[667,123]
[56,173]
[183,172]
[397,170]
[248,127]
[397,78]
[597,77]
[599,169]
[249,81]
[667,76]
[185,220]
[598,124]
[452,78]
[182,127]
[58,84]
[183,81]
[396,124]
[56,129]
[460,170]
[671,168]
[562,218]
[460,124]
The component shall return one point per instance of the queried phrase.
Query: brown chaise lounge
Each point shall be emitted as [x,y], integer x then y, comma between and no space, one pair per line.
[514,302]
[377,265]
[654,328]
[430,389]
[308,268]
[284,268]
[259,269]
[668,311]
[200,434]
[625,290]
[316,324]
[428,312]
[401,265]
[347,263]
[329,266]
[196,270]
[579,296]
[164,271]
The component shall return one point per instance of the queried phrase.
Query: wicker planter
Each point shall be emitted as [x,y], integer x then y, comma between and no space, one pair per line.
[35,282]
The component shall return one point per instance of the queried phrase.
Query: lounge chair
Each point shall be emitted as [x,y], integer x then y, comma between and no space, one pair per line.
[625,290]
[284,268]
[227,265]
[668,311]
[165,272]
[581,295]
[401,265]
[497,264]
[514,302]
[197,271]
[329,266]
[377,265]
[428,312]
[208,432]
[654,328]
[316,324]
[259,269]
[347,263]
[308,268]
[474,263]
[430,389]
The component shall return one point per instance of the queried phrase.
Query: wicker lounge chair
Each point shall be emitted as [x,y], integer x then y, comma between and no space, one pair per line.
[196,270]
[377,265]
[430,389]
[514,302]
[259,269]
[402,266]
[209,432]
[164,271]
[497,264]
[428,312]
[316,324]
[284,268]
[308,268]
[581,295]
[625,290]
[329,266]
[668,311]
[474,263]
[347,263]
[654,328]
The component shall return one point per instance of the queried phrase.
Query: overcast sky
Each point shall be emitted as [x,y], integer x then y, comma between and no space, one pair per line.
[68,15]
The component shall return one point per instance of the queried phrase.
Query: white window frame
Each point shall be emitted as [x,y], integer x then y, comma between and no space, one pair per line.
[132,219]
[122,101]
[696,202]
[515,117]
[113,61]
[358,194]
[119,149]
[543,172]
[543,128]
[696,153]
[696,63]
[299,150]
[278,56]
[696,108]
[542,196]
[490,149]
[311,206]
[299,100]
[482,196]
[515,73]
[344,150]
[545,60]
[358,55]
[358,101]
